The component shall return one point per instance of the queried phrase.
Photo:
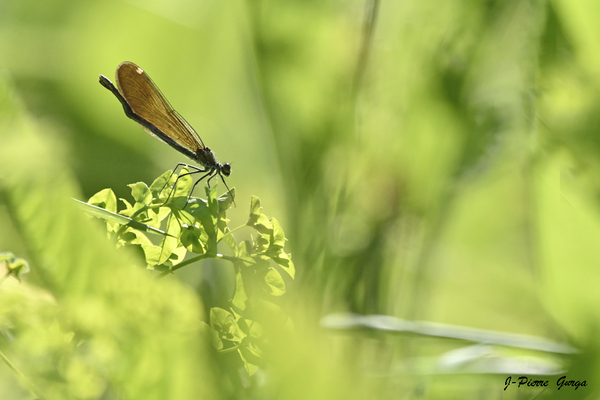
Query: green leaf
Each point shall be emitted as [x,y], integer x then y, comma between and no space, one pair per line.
[183,185]
[222,226]
[255,330]
[244,253]
[229,240]
[141,193]
[226,199]
[15,266]
[184,217]
[152,254]
[254,210]
[213,203]
[193,238]
[245,249]
[162,184]
[206,212]
[170,243]
[225,324]
[284,260]
[156,216]
[274,284]
[105,199]
[257,219]
[128,211]
[278,238]
[178,255]
[239,297]
[133,236]
[251,361]
[212,334]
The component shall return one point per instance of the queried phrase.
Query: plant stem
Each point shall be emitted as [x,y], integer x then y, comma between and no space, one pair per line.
[21,376]
[193,260]
[233,230]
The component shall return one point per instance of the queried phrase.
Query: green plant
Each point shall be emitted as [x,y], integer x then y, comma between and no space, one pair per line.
[196,226]
[15,266]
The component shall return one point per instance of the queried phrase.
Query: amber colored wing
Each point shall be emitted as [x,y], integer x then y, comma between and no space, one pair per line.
[146,101]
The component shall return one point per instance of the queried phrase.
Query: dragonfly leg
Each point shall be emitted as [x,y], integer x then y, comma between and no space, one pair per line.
[215,173]
[228,190]
[175,169]
[197,182]
[197,170]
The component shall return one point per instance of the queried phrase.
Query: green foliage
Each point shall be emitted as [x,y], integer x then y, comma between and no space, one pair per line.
[194,227]
[87,322]
[15,266]
[431,161]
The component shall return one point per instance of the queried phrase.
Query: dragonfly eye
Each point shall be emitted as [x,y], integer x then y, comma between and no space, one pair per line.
[226,169]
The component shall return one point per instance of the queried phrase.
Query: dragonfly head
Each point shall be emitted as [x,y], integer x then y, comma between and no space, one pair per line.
[226,169]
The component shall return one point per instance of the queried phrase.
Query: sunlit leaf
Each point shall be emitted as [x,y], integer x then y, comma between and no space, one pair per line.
[274,284]
[193,239]
[212,334]
[162,184]
[104,199]
[183,186]
[284,261]
[170,243]
[257,219]
[239,296]
[229,240]
[178,255]
[262,243]
[226,200]
[141,193]
[225,324]
[153,254]
[251,361]
[278,235]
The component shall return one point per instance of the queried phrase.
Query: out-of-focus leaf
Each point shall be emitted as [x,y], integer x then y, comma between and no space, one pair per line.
[284,261]
[251,361]
[225,324]
[278,240]
[77,334]
[214,336]
[257,219]
[274,284]
[239,297]
[15,266]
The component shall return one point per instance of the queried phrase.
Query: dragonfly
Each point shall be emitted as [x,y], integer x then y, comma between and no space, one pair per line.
[144,103]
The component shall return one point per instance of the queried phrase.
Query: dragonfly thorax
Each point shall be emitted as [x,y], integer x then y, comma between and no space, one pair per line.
[207,159]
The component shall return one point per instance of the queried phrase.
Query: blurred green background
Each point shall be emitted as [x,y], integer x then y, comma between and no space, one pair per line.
[432,161]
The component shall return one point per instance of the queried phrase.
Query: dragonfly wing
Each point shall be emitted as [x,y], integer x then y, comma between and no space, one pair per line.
[147,102]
